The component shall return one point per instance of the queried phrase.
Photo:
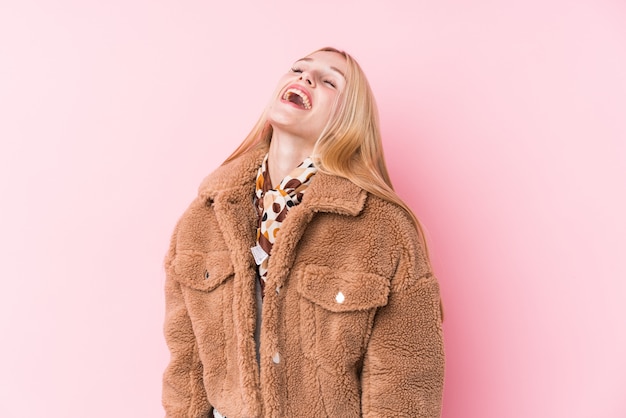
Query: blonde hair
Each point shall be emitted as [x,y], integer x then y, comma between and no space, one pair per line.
[350,145]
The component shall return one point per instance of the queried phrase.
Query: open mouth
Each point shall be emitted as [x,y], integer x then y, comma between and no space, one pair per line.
[297,97]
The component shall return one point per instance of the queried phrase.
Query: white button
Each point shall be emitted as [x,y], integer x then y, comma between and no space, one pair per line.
[277,289]
[276,358]
[340,297]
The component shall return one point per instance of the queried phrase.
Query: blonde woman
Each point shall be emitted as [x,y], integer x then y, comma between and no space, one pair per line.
[298,283]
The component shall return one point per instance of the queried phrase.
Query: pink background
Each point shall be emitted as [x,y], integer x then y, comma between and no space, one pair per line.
[505,130]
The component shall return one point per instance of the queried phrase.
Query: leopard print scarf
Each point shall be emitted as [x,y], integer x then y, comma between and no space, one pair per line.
[272,207]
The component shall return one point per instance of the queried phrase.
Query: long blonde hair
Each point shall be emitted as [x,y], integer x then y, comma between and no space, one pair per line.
[350,145]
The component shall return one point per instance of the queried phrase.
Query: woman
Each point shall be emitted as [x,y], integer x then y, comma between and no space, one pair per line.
[298,283]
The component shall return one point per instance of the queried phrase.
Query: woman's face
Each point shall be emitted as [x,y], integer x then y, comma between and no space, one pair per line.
[307,93]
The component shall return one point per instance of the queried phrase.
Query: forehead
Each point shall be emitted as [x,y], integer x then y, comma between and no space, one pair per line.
[328,59]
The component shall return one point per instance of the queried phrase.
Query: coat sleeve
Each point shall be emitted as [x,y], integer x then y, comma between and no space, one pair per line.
[183,389]
[404,364]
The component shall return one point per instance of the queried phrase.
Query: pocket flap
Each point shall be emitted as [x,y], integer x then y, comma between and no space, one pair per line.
[342,291]
[203,271]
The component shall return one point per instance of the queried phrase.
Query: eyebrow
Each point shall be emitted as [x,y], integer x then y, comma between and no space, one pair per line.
[332,68]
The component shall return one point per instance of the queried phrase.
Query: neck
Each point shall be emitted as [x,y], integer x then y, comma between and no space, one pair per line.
[286,152]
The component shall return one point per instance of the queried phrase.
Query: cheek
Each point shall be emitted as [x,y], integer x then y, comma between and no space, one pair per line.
[328,113]
[329,104]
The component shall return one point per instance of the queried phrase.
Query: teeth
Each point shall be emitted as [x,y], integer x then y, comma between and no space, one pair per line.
[305,99]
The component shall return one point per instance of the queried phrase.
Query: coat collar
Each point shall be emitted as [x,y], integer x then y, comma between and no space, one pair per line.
[326,193]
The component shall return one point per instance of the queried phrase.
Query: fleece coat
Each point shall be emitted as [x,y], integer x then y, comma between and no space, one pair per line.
[351,320]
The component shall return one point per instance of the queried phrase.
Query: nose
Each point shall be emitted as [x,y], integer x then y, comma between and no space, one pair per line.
[307,78]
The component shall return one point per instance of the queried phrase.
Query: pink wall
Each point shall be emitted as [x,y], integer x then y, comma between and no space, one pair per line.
[505,128]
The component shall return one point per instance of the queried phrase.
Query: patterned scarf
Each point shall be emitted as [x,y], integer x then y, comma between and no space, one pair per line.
[272,207]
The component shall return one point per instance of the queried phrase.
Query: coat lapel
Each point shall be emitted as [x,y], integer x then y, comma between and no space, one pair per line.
[326,193]
[231,189]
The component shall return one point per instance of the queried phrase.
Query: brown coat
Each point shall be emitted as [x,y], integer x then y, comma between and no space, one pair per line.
[375,350]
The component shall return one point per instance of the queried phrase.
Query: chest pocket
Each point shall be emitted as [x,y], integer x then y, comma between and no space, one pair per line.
[336,314]
[207,280]
[203,271]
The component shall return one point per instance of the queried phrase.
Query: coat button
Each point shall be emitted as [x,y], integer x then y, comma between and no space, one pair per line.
[277,289]
[340,297]
[276,358]
[206,274]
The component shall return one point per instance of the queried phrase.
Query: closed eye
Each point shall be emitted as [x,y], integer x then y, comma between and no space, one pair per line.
[332,84]
[296,70]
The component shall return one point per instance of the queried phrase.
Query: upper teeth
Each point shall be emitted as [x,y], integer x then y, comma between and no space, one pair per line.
[305,99]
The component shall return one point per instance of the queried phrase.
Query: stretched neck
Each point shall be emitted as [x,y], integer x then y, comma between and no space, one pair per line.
[286,152]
